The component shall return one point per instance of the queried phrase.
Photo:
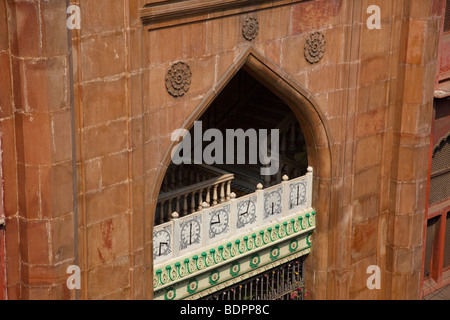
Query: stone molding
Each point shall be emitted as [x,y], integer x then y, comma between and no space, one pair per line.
[169,13]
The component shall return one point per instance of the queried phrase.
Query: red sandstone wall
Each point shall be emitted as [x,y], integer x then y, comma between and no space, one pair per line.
[3,291]
[36,148]
[108,96]
[9,165]
[373,89]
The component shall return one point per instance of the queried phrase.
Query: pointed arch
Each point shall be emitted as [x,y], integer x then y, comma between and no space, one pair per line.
[318,141]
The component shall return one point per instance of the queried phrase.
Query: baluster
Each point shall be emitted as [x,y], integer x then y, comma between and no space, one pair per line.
[177,205]
[185,205]
[280,171]
[192,208]
[222,192]
[267,179]
[228,190]
[208,196]
[200,199]
[215,195]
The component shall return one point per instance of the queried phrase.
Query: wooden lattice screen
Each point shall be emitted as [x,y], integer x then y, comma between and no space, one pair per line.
[440,173]
[447,17]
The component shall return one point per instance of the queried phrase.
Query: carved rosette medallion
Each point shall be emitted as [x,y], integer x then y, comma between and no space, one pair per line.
[178,79]
[250,29]
[315,47]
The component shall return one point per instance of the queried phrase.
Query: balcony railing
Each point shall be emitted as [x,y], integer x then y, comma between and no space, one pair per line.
[230,218]
[208,187]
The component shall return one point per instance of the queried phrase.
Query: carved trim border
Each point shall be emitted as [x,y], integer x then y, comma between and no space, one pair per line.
[177,270]
[236,271]
[170,13]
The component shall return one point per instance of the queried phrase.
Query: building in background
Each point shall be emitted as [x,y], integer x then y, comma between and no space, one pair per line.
[437,233]
[91,92]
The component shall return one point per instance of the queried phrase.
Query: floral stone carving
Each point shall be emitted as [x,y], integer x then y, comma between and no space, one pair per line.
[178,79]
[250,29]
[315,47]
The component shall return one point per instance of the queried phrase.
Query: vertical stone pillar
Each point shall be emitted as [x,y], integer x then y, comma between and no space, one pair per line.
[138,222]
[8,159]
[411,139]
[3,294]
[38,41]
[110,157]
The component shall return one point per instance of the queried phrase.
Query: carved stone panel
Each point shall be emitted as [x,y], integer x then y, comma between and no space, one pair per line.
[178,79]
[315,47]
[250,29]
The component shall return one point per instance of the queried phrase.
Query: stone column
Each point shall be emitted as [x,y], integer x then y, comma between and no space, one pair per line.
[40,91]
[412,117]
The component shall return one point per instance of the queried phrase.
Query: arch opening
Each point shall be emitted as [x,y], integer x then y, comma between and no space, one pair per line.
[313,144]
[245,131]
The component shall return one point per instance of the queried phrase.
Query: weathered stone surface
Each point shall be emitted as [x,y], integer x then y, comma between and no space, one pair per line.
[365,104]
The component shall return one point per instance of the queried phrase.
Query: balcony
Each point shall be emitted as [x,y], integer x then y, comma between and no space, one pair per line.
[233,239]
